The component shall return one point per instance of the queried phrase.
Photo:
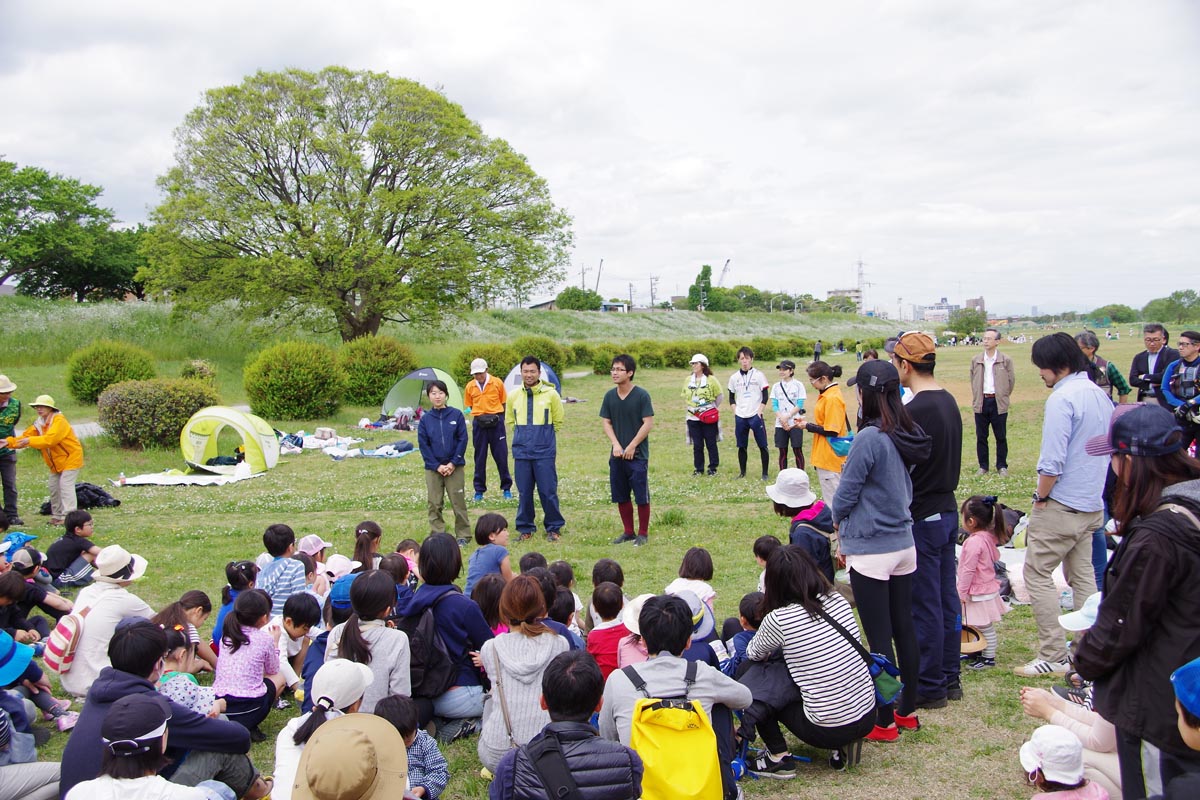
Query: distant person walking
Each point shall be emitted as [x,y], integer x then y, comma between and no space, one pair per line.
[1146,371]
[818,349]
[702,394]
[10,416]
[485,398]
[748,389]
[55,438]
[992,379]
[628,417]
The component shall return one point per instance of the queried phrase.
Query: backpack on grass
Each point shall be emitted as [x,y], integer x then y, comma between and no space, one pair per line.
[433,670]
[676,742]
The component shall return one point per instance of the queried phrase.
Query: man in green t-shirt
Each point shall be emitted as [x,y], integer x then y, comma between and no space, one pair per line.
[10,415]
[628,417]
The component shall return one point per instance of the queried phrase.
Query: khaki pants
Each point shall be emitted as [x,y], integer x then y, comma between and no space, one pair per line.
[829,481]
[437,487]
[1058,535]
[62,492]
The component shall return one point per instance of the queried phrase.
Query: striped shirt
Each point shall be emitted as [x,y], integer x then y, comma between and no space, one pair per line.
[834,682]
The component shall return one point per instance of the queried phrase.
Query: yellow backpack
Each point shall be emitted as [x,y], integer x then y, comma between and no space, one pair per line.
[676,742]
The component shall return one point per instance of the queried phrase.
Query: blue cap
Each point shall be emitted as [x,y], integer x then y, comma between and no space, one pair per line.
[1186,681]
[339,594]
[14,658]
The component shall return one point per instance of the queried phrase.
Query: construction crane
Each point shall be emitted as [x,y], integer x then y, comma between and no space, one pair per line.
[724,272]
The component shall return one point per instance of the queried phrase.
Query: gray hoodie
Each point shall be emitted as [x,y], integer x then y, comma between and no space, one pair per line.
[522,660]
[872,501]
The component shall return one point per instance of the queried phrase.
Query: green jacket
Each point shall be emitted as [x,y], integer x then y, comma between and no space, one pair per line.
[10,415]
[697,396]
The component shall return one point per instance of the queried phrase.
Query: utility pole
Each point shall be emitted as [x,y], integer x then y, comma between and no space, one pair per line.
[653,288]
[631,295]
[703,299]
[598,270]
[583,271]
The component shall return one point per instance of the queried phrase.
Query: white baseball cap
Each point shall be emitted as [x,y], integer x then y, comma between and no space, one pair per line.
[478,366]
[699,358]
[1057,752]
[340,682]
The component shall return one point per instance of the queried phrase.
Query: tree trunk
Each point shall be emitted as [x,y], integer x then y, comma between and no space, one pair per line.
[355,327]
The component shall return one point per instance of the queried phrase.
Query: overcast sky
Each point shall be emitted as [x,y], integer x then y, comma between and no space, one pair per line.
[1037,153]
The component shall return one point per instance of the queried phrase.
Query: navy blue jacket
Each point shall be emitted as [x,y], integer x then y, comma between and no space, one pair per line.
[602,770]
[442,437]
[186,729]
[459,621]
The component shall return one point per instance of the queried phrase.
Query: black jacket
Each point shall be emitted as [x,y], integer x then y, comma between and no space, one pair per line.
[1141,366]
[602,770]
[1148,624]
[186,729]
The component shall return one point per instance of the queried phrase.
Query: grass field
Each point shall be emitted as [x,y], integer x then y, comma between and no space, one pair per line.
[189,533]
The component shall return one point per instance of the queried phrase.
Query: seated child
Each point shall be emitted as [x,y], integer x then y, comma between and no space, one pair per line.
[763,547]
[486,595]
[367,536]
[562,611]
[491,534]
[694,574]
[396,565]
[564,576]
[532,560]
[28,561]
[18,597]
[19,672]
[428,772]
[811,520]
[177,681]
[300,613]
[606,570]
[606,636]
[1186,683]
[632,649]
[1053,761]
[239,576]
[69,559]
[409,548]
[316,582]
[189,613]
[283,576]
[337,610]
[248,676]
[749,616]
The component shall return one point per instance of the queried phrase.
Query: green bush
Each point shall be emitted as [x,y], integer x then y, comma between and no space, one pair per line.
[602,357]
[678,355]
[371,365]
[199,370]
[500,358]
[647,353]
[800,348]
[145,413]
[93,369]
[720,353]
[581,353]
[294,380]
[764,349]
[545,348]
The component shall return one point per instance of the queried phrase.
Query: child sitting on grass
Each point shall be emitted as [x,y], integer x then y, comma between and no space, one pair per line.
[486,595]
[17,598]
[409,548]
[190,612]
[70,558]
[763,547]
[606,636]
[1053,762]
[491,557]
[749,617]
[694,574]
[396,565]
[300,613]
[367,536]
[177,682]
[606,570]
[239,577]
[428,772]
[283,576]
[532,560]
[248,678]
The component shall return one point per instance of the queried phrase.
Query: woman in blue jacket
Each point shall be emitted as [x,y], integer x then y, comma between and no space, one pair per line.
[442,437]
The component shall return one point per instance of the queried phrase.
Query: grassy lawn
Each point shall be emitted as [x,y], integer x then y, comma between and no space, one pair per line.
[189,533]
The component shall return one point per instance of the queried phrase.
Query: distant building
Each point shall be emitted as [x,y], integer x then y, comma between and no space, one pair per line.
[620,308]
[854,294]
[976,304]
[549,305]
[1033,311]
[940,311]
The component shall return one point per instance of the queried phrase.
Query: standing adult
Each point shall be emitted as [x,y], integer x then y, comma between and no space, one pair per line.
[875,532]
[1181,386]
[1148,622]
[829,421]
[748,389]
[787,400]
[702,392]
[992,379]
[1067,504]
[628,417]
[10,415]
[936,606]
[53,435]
[442,439]
[1103,373]
[485,398]
[818,349]
[535,414]
[1146,370]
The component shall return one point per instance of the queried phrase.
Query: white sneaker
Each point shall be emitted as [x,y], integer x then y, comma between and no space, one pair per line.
[1038,668]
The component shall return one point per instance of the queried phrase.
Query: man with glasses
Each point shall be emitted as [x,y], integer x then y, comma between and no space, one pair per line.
[628,417]
[992,379]
[1146,372]
[1181,385]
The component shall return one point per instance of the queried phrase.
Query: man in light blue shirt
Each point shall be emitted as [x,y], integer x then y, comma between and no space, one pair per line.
[1067,504]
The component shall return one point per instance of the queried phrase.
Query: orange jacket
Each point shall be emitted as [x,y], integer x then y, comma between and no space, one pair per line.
[58,443]
[830,414]
[488,401]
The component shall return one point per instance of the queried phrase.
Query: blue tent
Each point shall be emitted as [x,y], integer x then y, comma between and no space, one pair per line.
[513,382]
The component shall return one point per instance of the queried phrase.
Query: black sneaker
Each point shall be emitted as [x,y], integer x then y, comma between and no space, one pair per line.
[766,767]
[640,541]
[257,735]
[553,536]
[623,538]
[981,662]
[954,691]
[766,477]
[15,521]
[931,702]
[696,472]
[711,472]
[742,474]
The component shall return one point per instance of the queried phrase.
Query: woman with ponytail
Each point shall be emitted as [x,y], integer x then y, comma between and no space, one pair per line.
[337,689]
[366,638]
[515,661]
[248,678]
[367,535]
[978,588]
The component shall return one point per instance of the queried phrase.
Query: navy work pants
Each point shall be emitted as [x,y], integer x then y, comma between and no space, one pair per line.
[494,440]
[935,604]
[543,473]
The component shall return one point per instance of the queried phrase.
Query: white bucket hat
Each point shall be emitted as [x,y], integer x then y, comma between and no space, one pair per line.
[6,385]
[631,612]
[1056,752]
[791,489]
[115,564]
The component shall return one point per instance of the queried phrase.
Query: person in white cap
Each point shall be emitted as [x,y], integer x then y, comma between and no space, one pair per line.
[1053,760]
[703,394]
[10,415]
[109,601]
[485,398]
[53,435]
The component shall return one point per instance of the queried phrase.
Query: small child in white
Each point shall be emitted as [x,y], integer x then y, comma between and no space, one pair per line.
[1053,761]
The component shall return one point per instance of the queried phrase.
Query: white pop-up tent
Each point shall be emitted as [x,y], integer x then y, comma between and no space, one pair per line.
[198,440]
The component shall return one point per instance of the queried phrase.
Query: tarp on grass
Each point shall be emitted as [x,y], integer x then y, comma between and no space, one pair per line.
[409,391]
[513,382]
[198,440]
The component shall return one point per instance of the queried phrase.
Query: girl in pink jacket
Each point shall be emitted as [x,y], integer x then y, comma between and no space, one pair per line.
[978,588]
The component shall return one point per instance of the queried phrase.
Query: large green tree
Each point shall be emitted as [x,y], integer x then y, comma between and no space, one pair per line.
[46,221]
[107,271]
[355,194]
[966,321]
[1117,312]
[573,298]
[1179,306]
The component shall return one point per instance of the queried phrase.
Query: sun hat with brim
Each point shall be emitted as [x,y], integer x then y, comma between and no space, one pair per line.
[972,641]
[6,385]
[699,358]
[14,658]
[631,612]
[44,400]
[702,616]
[1084,618]
[1186,682]
[1138,429]
[791,489]
[1057,752]
[339,683]
[353,757]
[135,724]
[478,366]
[115,564]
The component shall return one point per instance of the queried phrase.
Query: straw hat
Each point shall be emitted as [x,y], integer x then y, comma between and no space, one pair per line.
[972,640]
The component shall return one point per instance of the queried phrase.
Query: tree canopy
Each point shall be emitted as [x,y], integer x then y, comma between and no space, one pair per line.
[967,321]
[1116,312]
[574,298]
[1179,306]
[358,195]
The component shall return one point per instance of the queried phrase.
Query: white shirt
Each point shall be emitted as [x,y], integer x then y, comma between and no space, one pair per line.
[287,754]
[791,395]
[109,604]
[747,391]
[989,375]
[152,787]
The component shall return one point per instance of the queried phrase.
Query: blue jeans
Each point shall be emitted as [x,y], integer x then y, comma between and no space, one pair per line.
[460,702]
[543,473]
[935,604]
